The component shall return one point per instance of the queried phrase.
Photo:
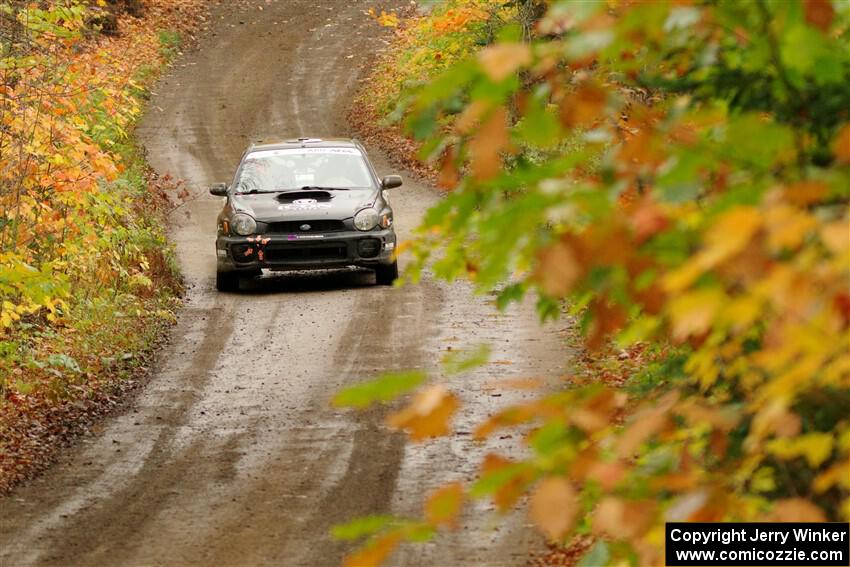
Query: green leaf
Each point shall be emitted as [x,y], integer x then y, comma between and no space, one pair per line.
[493,481]
[549,438]
[383,389]
[539,127]
[361,527]
[598,556]
[457,362]
[419,532]
[513,292]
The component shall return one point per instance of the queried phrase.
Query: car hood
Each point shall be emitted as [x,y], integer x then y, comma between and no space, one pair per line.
[304,205]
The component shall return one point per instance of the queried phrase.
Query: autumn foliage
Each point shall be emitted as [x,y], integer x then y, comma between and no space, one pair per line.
[676,176]
[86,275]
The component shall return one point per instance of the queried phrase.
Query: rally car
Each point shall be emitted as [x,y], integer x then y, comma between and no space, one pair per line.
[305,204]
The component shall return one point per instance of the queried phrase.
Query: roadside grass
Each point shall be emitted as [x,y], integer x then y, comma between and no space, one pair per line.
[170,42]
[59,375]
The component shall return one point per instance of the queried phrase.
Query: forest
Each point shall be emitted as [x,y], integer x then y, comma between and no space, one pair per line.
[674,178]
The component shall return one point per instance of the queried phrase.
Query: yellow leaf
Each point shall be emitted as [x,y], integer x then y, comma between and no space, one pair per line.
[787,227]
[815,447]
[836,236]
[741,312]
[501,60]
[732,232]
[553,507]
[428,415]
[388,20]
[836,474]
[694,312]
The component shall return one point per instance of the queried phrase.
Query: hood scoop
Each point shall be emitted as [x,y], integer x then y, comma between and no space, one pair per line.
[292,196]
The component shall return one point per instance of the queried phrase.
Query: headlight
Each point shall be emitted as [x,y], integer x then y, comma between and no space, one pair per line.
[243,224]
[367,219]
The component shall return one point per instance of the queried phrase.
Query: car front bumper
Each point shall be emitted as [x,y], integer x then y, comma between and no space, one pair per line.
[305,251]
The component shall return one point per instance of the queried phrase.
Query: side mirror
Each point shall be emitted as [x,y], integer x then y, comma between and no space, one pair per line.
[391,181]
[218,189]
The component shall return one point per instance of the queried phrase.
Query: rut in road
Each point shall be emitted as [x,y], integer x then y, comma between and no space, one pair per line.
[232,454]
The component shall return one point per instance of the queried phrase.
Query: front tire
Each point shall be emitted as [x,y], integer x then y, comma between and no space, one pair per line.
[386,275]
[227,281]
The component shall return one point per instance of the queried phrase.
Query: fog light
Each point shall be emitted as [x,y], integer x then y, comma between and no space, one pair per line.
[369,247]
[242,252]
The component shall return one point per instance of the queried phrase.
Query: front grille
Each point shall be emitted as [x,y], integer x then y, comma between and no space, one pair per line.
[294,227]
[305,252]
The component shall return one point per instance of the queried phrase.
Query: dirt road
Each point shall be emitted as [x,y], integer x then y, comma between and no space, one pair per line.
[232,455]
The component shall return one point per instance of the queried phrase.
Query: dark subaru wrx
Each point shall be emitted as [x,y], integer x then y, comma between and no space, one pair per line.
[305,204]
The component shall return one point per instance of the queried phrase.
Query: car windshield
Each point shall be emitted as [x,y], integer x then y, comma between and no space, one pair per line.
[289,169]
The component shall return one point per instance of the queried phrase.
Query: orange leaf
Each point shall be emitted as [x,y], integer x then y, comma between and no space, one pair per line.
[584,461]
[643,149]
[584,106]
[470,116]
[449,177]
[622,520]
[608,475]
[510,491]
[796,510]
[644,425]
[558,269]
[608,317]
[805,193]
[674,482]
[509,417]
[596,411]
[648,220]
[428,415]
[819,13]
[488,144]
[501,60]
[444,505]
[553,507]
[842,145]
[376,552]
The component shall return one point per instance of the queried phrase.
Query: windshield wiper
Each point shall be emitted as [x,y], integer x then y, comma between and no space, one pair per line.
[320,188]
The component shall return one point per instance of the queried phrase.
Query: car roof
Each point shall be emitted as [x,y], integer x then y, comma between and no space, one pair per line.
[304,142]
